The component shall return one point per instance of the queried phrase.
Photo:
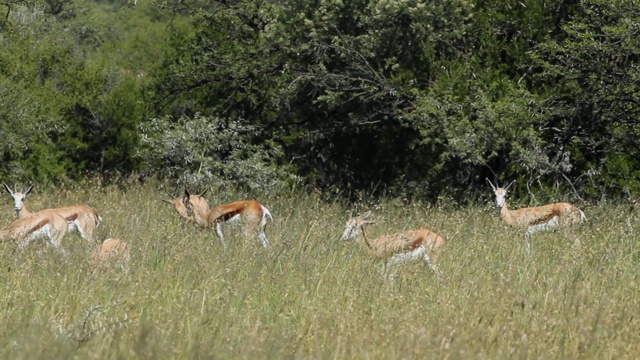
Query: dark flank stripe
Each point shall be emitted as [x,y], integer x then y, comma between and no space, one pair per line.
[416,243]
[40,224]
[72,217]
[230,214]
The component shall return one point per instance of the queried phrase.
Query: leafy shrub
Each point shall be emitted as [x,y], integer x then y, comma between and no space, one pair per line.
[207,151]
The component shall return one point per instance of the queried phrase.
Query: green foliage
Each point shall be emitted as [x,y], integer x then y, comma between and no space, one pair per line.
[592,78]
[398,98]
[72,100]
[405,98]
[201,152]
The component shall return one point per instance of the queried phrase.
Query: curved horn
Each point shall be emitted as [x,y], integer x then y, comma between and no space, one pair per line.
[490,184]
[8,189]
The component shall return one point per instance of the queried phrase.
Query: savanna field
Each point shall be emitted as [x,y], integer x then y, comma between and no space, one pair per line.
[312,295]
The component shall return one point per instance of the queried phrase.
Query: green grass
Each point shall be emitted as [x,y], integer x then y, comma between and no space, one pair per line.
[314,296]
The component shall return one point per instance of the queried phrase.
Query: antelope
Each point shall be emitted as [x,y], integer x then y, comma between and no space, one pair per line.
[80,218]
[198,210]
[112,250]
[399,247]
[536,219]
[251,213]
[47,225]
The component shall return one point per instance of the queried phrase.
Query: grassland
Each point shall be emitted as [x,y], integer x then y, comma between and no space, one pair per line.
[313,296]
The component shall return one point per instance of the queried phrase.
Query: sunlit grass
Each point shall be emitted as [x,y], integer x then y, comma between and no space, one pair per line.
[314,296]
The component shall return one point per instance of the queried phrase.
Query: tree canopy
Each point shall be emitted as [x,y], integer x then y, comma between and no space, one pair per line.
[399,98]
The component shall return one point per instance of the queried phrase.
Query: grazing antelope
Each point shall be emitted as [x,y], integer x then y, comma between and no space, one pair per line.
[400,247]
[250,213]
[80,218]
[197,211]
[536,219]
[48,225]
[112,250]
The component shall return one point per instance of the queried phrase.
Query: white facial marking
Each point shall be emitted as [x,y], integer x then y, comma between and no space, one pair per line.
[500,196]
[18,201]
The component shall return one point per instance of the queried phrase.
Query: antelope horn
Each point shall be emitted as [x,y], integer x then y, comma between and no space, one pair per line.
[490,184]
[8,189]
[508,186]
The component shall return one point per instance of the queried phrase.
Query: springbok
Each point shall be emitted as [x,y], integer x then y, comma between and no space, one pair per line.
[250,213]
[48,225]
[399,247]
[536,219]
[80,218]
[112,250]
[198,210]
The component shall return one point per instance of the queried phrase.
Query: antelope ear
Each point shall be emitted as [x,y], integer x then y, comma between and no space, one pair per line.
[186,193]
[8,189]
[490,184]
[29,190]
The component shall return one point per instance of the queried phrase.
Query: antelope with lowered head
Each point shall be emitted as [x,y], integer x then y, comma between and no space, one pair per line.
[536,219]
[397,248]
[250,213]
[80,218]
[197,211]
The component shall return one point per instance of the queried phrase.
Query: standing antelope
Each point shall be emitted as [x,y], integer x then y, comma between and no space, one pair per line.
[536,219]
[79,217]
[250,213]
[400,247]
[112,250]
[197,211]
[47,225]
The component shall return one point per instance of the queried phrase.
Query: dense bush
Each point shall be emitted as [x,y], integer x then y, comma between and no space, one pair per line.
[411,98]
[201,151]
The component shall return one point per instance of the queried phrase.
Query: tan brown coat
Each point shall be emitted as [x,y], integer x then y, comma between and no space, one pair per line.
[112,251]
[398,247]
[80,218]
[49,226]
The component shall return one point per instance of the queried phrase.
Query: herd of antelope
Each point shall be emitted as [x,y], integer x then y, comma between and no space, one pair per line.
[397,248]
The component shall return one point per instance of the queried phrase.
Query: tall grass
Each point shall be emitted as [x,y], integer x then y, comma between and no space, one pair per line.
[314,296]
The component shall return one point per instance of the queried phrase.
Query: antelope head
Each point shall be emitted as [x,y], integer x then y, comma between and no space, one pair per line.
[353,228]
[500,192]
[18,197]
